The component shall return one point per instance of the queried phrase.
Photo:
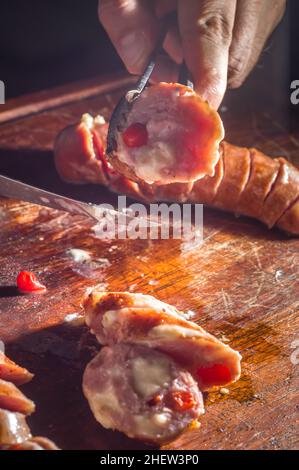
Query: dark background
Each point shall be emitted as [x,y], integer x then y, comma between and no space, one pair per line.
[45,43]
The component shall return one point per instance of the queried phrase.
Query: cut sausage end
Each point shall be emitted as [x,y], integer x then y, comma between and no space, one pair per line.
[171,135]
[142,393]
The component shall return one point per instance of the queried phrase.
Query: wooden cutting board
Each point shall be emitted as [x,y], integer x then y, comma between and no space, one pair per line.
[242,284]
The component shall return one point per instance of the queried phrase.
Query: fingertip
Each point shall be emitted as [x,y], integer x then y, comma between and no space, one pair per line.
[211,86]
[133,30]
[213,99]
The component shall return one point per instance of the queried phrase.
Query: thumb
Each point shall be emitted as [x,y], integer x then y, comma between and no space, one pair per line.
[206,30]
[132,28]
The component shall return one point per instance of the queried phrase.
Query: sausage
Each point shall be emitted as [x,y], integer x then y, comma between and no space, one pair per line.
[13,428]
[142,393]
[78,155]
[245,181]
[284,192]
[169,135]
[36,443]
[12,399]
[123,317]
[289,221]
[12,372]
[14,405]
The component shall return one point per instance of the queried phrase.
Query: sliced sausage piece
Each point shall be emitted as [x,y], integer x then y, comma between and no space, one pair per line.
[11,372]
[123,317]
[170,135]
[13,400]
[79,151]
[13,428]
[36,443]
[142,393]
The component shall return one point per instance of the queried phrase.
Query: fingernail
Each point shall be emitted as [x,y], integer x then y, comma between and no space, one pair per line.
[133,49]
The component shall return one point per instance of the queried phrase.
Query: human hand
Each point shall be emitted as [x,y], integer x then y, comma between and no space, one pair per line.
[220,40]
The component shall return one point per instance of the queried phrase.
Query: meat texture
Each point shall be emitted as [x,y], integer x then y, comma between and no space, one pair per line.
[35,443]
[142,393]
[123,317]
[12,399]
[11,372]
[13,428]
[170,135]
[148,377]
[245,181]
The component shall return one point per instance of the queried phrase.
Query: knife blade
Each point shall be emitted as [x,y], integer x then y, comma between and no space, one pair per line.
[17,190]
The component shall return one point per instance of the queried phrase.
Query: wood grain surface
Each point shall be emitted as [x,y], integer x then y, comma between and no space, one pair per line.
[242,284]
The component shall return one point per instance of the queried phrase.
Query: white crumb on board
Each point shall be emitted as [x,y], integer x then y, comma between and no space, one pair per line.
[78,255]
[189,314]
[224,391]
[84,264]
[132,287]
[71,317]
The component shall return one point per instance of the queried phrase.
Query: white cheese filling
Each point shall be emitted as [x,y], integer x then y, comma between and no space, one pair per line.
[109,318]
[150,375]
[151,161]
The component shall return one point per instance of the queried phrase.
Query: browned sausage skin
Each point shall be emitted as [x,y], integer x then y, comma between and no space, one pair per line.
[12,372]
[245,181]
[14,406]
[12,399]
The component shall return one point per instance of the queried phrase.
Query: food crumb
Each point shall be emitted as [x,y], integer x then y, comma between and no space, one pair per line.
[78,255]
[278,274]
[224,339]
[132,287]
[224,391]
[153,282]
[189,314]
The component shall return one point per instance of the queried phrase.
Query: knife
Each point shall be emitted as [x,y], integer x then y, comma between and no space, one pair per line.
[16,190]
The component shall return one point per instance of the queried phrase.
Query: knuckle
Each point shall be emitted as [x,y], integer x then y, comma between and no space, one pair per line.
[235,66]
[215,27]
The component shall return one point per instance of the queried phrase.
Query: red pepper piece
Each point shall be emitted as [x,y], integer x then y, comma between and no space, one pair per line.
[27,283]
[98,146]
[99,149]
[218,374]
[182,400]
[135,135]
